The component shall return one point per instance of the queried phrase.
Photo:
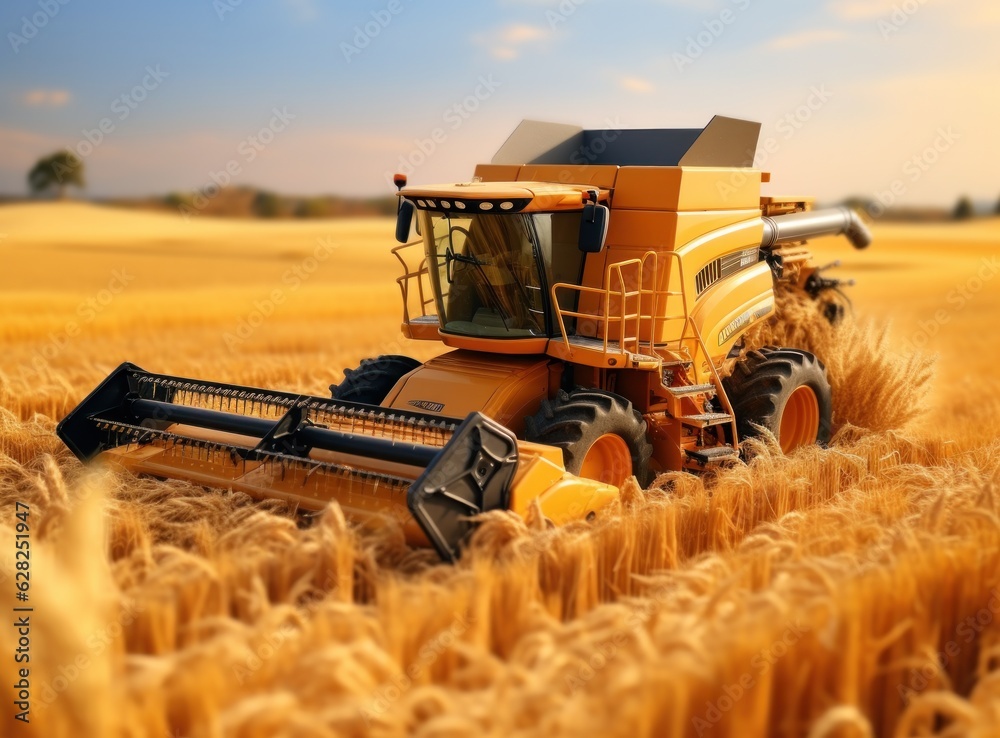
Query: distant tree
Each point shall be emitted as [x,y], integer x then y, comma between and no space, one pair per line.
[383,205]
[997,211]
[963,209]
[179,199]
[266,205]
[56,171]
[312,207]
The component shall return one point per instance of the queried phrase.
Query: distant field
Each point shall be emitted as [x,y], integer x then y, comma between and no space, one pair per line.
[292,302]
[190,284]
[796,596]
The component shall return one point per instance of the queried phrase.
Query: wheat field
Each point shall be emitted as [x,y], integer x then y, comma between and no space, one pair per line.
[843,592]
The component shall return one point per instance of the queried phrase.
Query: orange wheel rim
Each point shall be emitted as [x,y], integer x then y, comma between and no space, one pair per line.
[608,460]
[799,420]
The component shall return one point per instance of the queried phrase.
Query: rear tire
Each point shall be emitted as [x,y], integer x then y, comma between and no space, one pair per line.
[785,391]
[373,380]
[601,435]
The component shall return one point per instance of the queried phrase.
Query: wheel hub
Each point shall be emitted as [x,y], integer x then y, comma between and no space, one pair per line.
[608,460]
[799,420]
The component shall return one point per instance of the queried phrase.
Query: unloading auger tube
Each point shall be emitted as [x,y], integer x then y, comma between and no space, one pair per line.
[837,221]
[432,473]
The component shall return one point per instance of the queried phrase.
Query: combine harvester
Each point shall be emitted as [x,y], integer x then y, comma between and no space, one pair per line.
[595,315]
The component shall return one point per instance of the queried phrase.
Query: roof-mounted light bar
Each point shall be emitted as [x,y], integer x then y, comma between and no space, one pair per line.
[468,205]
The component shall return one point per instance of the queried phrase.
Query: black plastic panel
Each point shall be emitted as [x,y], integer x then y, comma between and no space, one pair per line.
[471,475]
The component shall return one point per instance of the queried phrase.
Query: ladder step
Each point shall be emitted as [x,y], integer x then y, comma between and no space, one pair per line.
[692,389]
[642,361]
[713,455]
[704,420]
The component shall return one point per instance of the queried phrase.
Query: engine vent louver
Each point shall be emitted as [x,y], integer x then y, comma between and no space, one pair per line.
[725,266]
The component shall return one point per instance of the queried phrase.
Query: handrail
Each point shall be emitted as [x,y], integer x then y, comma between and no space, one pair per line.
[720,391]
[689,330]
[408,275]
[614,271]
[621,292]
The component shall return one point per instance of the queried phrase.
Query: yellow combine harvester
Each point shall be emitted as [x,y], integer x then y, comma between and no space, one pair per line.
[593,288]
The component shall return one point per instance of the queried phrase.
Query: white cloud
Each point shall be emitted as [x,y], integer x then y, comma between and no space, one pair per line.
[521,33]
[507,43]
[39,98]
[861,9]
[970,15]
[805,38]
[636,84]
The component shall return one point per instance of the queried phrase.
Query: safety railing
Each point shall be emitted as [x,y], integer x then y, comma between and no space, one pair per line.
[417,273]
[688,345]
[688,324]
[626,317]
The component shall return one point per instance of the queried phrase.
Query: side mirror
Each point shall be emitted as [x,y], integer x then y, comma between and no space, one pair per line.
[404,218]
[593,228]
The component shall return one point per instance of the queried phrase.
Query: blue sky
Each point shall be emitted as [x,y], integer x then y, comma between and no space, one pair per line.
[856,96]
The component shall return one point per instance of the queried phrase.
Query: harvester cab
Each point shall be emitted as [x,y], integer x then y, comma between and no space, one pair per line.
[592,289]
[629,264]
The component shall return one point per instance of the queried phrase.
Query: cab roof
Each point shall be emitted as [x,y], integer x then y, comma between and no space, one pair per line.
[501,196]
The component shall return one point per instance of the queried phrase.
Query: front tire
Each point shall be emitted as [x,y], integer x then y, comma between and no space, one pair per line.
[785,391]
[373,380]
[602,436]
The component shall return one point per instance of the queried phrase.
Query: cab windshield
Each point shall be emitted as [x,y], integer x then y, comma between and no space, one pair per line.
[492,273]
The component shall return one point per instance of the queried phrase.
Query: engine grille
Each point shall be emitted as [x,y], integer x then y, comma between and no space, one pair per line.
[725,266]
